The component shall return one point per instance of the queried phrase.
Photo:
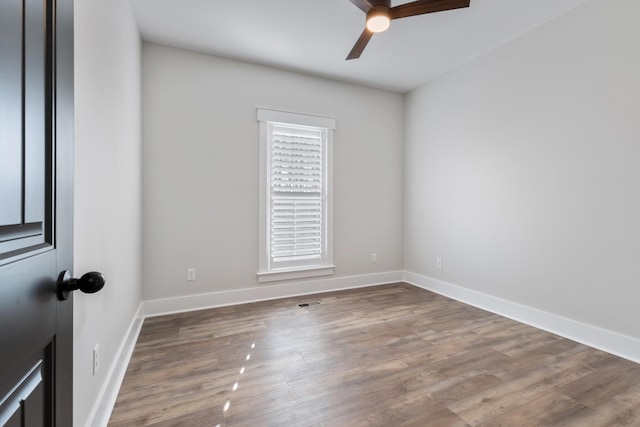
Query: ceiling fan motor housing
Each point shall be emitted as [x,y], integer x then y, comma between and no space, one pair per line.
[378,9]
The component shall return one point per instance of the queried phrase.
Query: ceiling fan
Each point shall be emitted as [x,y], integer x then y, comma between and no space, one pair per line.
[380,13]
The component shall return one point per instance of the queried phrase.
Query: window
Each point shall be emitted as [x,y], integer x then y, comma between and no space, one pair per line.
[295,195]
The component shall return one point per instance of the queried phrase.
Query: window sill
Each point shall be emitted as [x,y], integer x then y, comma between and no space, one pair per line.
[297,273]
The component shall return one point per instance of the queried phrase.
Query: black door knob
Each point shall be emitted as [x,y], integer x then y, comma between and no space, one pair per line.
[89,283]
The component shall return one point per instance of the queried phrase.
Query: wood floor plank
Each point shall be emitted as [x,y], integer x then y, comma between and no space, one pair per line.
[519,390]
[392,355]
[551,409]
[603,384]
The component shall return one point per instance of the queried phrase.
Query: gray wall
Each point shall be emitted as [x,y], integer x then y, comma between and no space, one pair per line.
[200,169]
[107,188]
[522,170]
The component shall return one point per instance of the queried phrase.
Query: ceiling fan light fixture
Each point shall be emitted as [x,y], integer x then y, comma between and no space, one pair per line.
[378,19]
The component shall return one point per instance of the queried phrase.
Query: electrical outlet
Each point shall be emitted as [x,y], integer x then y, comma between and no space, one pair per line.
[374,257]
[191,274]
[96,359]
[439,263]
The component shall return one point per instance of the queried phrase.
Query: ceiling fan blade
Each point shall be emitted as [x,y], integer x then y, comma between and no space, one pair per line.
[421,7]
[360,44]
[363,5]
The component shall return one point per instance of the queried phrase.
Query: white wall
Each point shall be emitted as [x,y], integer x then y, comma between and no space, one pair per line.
[107,188]
[522,170]
[200,169]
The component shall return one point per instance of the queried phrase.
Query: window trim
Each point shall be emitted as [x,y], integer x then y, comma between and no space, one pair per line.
[265,273]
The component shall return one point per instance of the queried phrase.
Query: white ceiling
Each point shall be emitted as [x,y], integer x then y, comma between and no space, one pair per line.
[315,36]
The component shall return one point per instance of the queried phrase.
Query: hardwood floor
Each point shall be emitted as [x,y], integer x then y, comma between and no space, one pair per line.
[392,355]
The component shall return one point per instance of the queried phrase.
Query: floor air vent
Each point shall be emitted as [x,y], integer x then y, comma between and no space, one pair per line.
[307,304]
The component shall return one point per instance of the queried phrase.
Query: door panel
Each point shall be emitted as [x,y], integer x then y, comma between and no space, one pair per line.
[27,404]
[36,205]
[37,86]
[10,116]
[25,121]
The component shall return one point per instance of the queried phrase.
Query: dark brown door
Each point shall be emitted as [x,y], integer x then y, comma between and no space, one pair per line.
[36,206]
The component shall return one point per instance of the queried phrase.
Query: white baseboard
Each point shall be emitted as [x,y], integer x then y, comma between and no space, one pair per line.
[160,307]
[101,412]
[593,336]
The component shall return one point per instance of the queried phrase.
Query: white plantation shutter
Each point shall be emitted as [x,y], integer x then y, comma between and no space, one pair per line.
[296,194]
[295,201]
[296,229]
